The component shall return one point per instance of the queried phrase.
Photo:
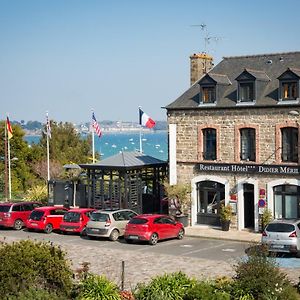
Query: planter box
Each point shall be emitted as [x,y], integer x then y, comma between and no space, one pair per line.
[208,219]
[183,219]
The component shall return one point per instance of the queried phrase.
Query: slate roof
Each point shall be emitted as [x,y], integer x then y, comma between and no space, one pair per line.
[220,78]
[265,67]
[126,160]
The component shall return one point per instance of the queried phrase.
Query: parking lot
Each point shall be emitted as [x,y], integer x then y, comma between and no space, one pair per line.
[197,257]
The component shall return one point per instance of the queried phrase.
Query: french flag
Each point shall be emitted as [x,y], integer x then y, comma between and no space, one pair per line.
[145,120]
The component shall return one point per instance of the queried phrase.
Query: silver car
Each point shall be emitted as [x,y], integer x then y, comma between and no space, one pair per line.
[108,223]
[282,235]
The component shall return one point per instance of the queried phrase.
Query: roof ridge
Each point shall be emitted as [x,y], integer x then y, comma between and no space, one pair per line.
[261,55]
[253,70]
[210,73]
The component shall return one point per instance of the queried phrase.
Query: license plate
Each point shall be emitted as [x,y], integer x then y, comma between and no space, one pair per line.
[33,224]
[133,237]
[277,246]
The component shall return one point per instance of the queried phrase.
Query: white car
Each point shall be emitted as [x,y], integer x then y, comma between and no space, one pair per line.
[282,235]
[108,223]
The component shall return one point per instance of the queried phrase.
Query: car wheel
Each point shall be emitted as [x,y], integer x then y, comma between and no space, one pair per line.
[298,254]
[128,241]
[83,232]
[180,234]
[114,235]
[48,228]
[153,239]
[18,225]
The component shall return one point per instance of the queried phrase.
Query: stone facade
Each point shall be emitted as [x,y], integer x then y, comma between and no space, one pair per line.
[247,185]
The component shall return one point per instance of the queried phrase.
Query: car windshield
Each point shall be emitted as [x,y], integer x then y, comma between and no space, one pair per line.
[72,217]
[99,217]
[36,215]
[280,227]
[4,208]
[138,221]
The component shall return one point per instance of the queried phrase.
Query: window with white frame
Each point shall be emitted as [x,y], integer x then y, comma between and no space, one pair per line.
[247,144]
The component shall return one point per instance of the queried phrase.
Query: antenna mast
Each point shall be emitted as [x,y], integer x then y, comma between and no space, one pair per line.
[207,37]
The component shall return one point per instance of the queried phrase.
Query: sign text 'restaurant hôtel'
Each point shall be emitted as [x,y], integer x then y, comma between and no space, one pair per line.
[246,168]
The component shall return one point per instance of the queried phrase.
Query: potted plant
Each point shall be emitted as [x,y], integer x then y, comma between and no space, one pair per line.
[179,198]
[225,216]
[266,218]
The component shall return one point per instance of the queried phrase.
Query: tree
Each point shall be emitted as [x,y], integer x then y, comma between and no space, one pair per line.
[66,145]
[21,155]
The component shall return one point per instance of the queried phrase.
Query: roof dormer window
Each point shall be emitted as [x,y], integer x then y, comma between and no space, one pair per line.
[208,94]
[289,85]
[246,81]
[246,91]
[289,90]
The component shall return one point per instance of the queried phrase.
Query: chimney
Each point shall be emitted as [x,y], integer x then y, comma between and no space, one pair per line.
[201,63]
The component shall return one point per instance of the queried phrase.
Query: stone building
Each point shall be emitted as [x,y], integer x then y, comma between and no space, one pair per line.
[234,135]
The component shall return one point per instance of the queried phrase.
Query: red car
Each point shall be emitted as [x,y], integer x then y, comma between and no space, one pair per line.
[153,228]
[15,214]
[75,220]
[46,218]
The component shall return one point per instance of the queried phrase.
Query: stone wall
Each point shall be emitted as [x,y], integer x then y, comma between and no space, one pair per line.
[266,121]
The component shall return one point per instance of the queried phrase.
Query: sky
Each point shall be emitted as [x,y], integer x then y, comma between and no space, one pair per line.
[69,57]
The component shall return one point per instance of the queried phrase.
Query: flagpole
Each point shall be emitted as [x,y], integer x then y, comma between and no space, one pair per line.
[5,161]
[93,140]
[141,146]
[48,148]
[48,158]
[93,144]
[9,171]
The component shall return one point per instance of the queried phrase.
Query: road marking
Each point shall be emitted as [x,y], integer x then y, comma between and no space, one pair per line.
[229,250]
[186,246]
[203,249]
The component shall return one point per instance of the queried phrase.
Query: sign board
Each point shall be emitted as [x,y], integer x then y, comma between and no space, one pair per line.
[261,203]
[247,168]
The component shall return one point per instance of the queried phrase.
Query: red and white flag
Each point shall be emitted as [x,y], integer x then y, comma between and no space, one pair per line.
[9,129]
[96,126]
[145,120]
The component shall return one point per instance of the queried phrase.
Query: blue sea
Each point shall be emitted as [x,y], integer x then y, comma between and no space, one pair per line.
[154,144]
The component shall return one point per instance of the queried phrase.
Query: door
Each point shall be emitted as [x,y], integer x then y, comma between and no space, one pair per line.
[248,205]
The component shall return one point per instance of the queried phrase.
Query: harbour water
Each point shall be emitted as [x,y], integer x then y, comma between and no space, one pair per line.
[153,144]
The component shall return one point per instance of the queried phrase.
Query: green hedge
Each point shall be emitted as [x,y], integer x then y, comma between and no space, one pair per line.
[27,265]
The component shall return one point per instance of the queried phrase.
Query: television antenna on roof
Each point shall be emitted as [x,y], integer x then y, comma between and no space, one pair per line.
[207,37]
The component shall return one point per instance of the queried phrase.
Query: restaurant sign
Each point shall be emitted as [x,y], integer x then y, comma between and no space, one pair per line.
[247,168]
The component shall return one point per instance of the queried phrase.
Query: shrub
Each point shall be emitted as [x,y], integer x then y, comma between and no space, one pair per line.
[260,277]
[205,290]
[166,287]
[28,265]
[95,287]
[38,193]
[266,218]
[36,294]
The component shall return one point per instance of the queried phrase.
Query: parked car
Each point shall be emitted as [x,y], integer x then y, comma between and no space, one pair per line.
[282,235]
[111,224]
[46,218]
[75,220]
[153,228]
[15,214]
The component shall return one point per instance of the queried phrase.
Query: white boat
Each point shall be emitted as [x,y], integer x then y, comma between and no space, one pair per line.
[130,140]
[114,146]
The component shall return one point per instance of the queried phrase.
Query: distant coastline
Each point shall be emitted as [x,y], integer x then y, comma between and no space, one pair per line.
[106,131]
